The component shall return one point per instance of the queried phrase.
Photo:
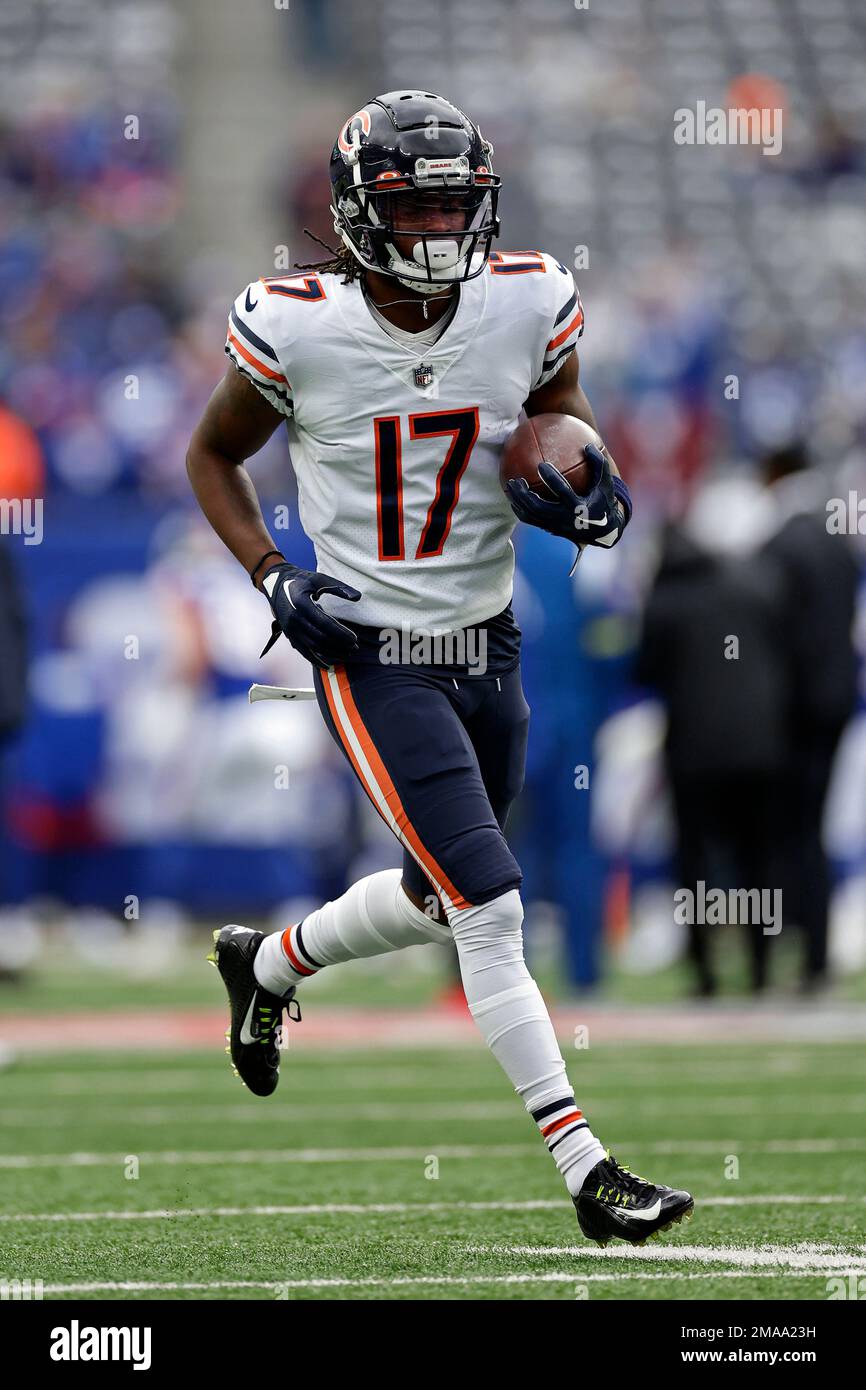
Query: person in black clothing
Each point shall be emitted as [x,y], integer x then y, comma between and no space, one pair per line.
[713,647]
[13,647]
[13,686]
[821,578]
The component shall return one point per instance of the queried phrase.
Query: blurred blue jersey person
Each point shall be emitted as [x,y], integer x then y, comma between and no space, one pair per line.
[570,686]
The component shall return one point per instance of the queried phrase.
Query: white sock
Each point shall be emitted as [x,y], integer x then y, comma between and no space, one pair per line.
[506,1004]
[372,917]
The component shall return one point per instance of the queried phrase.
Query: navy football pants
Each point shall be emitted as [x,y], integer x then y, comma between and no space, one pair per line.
[442,762]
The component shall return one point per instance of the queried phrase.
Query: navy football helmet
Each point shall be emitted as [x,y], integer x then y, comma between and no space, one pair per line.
[414,142]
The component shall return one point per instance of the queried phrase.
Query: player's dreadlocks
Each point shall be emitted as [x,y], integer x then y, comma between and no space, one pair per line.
[343,262]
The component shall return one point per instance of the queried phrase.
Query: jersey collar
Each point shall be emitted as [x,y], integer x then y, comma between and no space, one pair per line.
[399,357]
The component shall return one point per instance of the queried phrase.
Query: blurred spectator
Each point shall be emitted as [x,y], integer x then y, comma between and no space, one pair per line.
[13,697]
[821,577]
[13,645]
[21,470]
[304,204]
[21,477]
[571,676]
[713,647]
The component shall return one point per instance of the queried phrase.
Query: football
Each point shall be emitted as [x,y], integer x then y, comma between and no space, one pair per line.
[556,439]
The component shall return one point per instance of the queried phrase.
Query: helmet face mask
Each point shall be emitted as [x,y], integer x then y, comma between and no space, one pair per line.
[434,256]
[400,155]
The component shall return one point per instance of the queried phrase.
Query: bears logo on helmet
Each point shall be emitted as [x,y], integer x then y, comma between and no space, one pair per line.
[348,140]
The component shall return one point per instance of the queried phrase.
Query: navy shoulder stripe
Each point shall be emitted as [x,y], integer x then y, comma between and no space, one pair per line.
[566,309]
[253,337]
[271,387]
[552,361]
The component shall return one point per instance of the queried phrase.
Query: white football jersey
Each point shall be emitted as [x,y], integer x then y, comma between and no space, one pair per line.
[396,447]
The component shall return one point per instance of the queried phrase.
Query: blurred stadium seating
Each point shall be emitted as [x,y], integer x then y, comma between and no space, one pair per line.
[140,769]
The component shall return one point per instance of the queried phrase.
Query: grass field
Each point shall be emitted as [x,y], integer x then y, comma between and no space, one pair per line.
[414,1174]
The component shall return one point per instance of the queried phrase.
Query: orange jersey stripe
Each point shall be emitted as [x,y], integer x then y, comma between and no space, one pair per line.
[561,337]
[385,785]
[558,1124]
[254,361]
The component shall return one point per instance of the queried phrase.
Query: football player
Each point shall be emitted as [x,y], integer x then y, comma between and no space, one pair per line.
[401,366]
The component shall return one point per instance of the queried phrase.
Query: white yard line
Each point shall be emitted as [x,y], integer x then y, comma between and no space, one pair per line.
[60,1117]
[816,1257]
[781,1199]
[401,1208]
[402,1154]
[743,1144]
[237,1156]
[310,1209]
[458,1111]
[596,1080]
[215,1079]
[437,1280]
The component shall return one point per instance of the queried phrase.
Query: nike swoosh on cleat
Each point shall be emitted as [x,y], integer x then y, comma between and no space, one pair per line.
[649,1214]
[249,304]
[248,1037]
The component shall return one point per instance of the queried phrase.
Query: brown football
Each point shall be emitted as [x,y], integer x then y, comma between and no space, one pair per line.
[556,439]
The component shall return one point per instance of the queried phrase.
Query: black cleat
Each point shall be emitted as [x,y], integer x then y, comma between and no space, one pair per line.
[256,1015]
[615,1202]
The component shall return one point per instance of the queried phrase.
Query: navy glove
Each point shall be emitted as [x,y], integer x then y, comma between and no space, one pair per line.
[292,594]
[599,518]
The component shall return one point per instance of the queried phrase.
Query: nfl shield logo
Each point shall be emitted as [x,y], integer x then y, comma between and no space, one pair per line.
[423,375]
